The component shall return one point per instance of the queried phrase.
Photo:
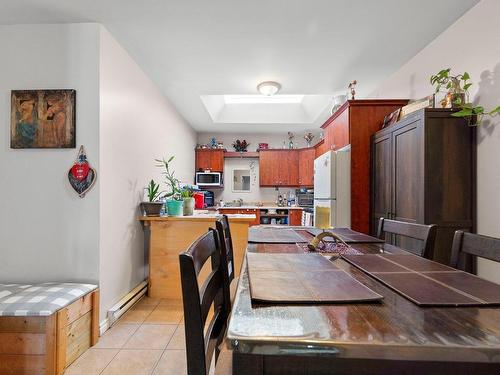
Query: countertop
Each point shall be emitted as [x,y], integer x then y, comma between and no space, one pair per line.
[259,208]
[200,216]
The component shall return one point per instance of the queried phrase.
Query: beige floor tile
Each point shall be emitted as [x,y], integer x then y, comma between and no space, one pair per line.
[172,362]
[148,301]
[116,336]
[151,336]
[165,315]
[92,362]
[133,362]
[137,314]
[171,302]
[178,340]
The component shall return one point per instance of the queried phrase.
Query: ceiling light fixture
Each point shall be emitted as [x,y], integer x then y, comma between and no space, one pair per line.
[268,88]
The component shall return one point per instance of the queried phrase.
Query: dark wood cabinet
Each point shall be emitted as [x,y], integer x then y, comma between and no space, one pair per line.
[423,172]
[306,167]
[207,159]
[295,217]
[279,168]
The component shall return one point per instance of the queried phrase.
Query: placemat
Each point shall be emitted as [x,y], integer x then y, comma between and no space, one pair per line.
[427,283]
[274,235]
[302,278]
[347,235]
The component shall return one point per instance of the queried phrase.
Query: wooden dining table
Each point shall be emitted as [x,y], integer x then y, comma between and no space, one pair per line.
[395,336]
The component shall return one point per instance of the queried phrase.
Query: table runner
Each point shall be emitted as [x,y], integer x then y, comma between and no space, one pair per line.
[427,283]
[302,278]
[274,235]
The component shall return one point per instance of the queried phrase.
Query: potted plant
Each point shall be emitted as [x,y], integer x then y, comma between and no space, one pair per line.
[188,199]
[152,207]
[458,96]
[174,198]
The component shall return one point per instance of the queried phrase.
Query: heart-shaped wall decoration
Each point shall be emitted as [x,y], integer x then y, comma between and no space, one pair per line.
[81,175]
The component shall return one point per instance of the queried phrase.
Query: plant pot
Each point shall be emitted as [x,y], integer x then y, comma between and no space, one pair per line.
[152,208]
[188,206]
[174,207]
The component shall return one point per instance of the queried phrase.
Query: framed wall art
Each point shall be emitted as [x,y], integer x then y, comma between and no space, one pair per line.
[42,119]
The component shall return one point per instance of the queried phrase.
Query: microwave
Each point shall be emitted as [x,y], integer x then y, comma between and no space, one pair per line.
[208,179]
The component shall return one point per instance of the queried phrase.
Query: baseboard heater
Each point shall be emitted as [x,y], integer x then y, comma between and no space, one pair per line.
[126,302]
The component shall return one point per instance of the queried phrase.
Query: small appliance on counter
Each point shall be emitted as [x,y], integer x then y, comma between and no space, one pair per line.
[209,198]
[207,178]
[305,198]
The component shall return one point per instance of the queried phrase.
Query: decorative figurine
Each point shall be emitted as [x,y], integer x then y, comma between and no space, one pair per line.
[290,140]
[240,146]
[213,143]
[309,137]
[351,88]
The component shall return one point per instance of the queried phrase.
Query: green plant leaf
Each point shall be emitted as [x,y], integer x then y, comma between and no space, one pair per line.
[463,113]
[465,76]
[478,110]
[494,111]
[467,85]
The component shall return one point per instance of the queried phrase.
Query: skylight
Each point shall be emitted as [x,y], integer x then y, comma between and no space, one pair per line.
[262,99]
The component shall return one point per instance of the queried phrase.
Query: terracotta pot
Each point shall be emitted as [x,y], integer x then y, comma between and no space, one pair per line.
[152,208]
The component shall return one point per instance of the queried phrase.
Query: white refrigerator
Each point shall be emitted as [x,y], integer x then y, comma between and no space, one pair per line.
[332,185]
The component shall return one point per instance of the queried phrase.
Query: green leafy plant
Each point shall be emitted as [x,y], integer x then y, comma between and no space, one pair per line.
[187,192]
[459,84]
[170,180]
[153,190]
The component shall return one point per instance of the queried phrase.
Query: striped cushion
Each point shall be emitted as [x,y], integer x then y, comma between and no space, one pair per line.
[39,299]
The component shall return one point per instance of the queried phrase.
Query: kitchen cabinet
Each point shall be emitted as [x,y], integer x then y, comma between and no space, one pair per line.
[306,167]
[353,124]
[295,217]
[279,168]
[423,172]
[207,159]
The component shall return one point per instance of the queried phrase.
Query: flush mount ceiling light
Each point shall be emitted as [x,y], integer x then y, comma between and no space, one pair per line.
[268,88]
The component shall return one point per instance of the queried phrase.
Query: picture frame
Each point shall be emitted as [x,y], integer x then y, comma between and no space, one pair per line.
[391,118]
[415,105]
[44,118]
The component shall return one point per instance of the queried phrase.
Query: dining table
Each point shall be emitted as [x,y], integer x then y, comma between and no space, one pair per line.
[392,336]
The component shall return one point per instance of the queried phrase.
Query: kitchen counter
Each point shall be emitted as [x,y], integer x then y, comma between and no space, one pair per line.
[165,237]
[259,208]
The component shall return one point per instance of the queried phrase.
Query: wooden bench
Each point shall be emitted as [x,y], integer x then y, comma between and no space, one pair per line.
[45,327]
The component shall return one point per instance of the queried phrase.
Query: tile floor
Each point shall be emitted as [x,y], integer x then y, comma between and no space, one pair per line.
[148,339]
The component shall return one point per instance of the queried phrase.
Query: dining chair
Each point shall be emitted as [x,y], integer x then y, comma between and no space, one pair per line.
[202,347]
[222,225]
[475,245]
[424,233]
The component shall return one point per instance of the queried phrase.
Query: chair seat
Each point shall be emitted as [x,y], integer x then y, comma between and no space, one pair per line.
[232,289]
[224,362]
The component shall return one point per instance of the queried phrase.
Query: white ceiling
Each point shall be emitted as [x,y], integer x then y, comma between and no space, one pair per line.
[192,48]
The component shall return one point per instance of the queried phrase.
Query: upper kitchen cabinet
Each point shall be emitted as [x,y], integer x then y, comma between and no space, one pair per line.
[423,172]
[306,167]
[207,159]
[279,168]
[353,124]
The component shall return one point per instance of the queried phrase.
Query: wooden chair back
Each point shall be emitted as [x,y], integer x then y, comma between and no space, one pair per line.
[424,233]
[200,347]
[222,225]
[475,245]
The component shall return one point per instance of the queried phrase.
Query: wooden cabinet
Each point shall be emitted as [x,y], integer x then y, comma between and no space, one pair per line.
[306,167]
[207,159]
[423,172]
[353,124]
[279,168]
[295,217]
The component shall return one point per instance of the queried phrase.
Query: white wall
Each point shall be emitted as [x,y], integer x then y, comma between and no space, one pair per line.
[256,194]
[137,125]
[471,44]
[46,231]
